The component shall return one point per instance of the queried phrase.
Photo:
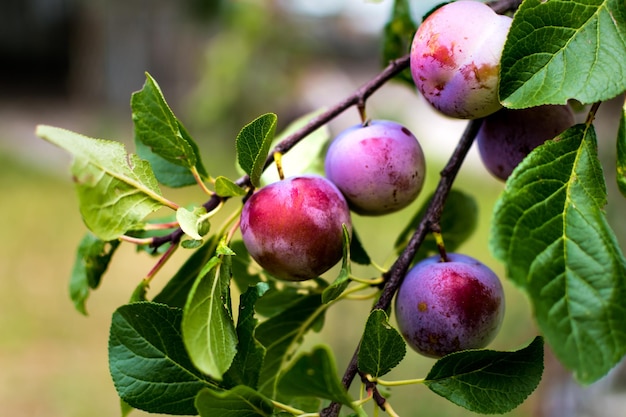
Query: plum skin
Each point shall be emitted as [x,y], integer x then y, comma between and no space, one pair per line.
[379,167]
[455,58]
[445,307]
[293,228]
[506,137]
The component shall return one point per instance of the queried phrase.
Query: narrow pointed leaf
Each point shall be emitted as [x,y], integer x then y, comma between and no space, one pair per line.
[335,289]
[241,401]
[168,143]
[150,368]
[208,329]
[246,366]
[116,191]
[382,347]
[621,153]
[92,260]
[550,230]
[562,49]
[253,145]
[487,381]
[314,375]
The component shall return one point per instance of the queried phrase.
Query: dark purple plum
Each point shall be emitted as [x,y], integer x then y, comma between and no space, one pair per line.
[379,167]
[445,307]
[508,136]
[455,58]
[293,227]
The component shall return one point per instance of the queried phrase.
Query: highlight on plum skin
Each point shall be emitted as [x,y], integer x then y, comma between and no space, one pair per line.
[445,307]
[506,137]
[379,167]
[455,58]
[293,228]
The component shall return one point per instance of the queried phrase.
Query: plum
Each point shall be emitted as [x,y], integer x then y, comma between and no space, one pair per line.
[378,166]
[455,58]
[444,307]
[507,136]
[293,227]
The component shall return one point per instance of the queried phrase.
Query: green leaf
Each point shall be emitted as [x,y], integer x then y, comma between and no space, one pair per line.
[306,157]
[280,334]
[177,289]
[242,276]
[191,221]
[382,347]
[458,221]
[398,35]
[621,153]
[550,230]
[166,173]
[116,191]
[208,329]
[314,375]
[357,251]
[140,292]
[253,145]
[240,401]
[227,188]
[343,280]
[562,49]
[247,364]
[92,260]
[148,362]
[169,144]
[487,381]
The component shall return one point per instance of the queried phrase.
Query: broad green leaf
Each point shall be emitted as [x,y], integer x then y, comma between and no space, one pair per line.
[166,173]
[253,145]
[242,276]
[168,143]
[208,329]
[458,222]
[241,401]
[177,289]
[191,221]
[280,334]
[343,280]
[250,353]
[227,188]
[116,191]
[382,347]
[398,35]
[314,375]
[621,153]
[549,229]
[487,381]
[92,260]
[307,157]
[562,49]
[150,368]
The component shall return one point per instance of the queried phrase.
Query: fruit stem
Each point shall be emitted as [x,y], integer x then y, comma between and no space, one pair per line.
[278,159]
[436,232]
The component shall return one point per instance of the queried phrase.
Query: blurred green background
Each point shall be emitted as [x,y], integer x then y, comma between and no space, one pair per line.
[74,64]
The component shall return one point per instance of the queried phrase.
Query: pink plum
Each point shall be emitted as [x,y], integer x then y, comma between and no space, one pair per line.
[379,167]
[455,58]
[293,227]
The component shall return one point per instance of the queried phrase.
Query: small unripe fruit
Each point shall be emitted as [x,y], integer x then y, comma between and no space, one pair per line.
[293,227]
[455,58]
[506,137]
[379,167]
[445,307]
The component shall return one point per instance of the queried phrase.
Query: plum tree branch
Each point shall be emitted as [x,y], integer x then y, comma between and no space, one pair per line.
[394,276]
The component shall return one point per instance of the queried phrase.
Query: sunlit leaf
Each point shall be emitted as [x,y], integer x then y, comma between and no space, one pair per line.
[562,49]
[550,230]
[191,221]
[253,145]
[227,188]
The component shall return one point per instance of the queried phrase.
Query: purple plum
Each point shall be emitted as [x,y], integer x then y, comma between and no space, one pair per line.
[445,307]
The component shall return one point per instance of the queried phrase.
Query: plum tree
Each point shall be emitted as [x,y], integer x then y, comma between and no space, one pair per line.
[448,306]
[378,166]
[455,58]
[293,227]
[507,136]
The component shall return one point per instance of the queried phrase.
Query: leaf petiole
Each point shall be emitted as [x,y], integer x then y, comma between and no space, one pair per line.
[396,383]
[196,175]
